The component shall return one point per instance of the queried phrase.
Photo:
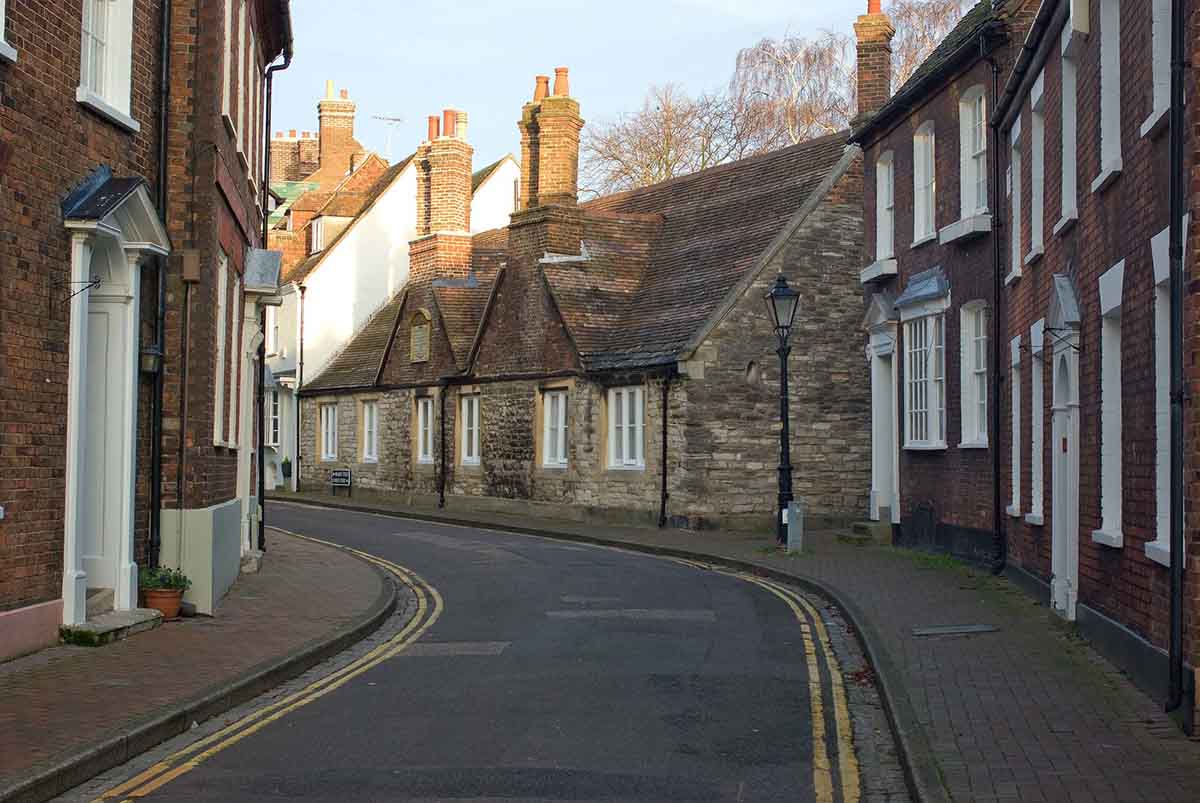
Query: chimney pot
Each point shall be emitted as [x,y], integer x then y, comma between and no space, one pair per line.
[561,84]
[541,89]
[292,133]
[329,88]
[874,6]
[449,122]
[460,130]
[434,127]
[278,134]
[345,94]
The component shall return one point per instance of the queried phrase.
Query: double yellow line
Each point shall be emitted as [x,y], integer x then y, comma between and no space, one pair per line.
[816,637]
[429,608]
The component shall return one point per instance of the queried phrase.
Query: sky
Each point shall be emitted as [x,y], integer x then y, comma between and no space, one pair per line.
[400,58]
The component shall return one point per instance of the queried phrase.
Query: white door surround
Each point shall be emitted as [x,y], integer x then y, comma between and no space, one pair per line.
[881,326]
[1064,444]
[107,253]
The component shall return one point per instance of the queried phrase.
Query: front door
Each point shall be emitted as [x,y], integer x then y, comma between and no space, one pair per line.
[1064,586]
[883,439]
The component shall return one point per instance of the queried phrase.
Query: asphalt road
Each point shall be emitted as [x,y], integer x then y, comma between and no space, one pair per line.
[553,671]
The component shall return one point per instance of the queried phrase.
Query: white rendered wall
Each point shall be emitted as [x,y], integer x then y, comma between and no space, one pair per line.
[493,201]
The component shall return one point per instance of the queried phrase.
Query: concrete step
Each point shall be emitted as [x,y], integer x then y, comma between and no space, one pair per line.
[879,531]
[99,600]
[109,627]
[855,539]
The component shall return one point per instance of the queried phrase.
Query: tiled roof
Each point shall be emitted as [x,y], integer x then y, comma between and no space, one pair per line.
[289,191]
[462,302]
[662,259]
[944,57]
[363,202]
[358,363]
[484,173]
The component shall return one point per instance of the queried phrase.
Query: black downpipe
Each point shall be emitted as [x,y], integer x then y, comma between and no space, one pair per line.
[1001,537]
[265,184]
[1178,392]
[160,318]
[666,393]
[442,448]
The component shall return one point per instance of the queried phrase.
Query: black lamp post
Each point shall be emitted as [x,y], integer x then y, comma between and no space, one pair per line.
[783,303]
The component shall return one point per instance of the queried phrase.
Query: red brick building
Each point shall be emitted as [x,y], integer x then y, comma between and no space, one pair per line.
[929,198]
[612,358]
[1085,123]
[117,212]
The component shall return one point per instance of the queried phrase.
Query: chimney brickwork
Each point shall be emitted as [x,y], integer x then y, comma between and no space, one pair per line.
[336,135]
[874,32]
[443,165]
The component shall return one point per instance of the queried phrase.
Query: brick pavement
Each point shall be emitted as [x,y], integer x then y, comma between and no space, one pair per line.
[1030,712]
[60,702]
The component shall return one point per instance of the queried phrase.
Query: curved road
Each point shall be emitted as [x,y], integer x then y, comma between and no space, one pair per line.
[553,671]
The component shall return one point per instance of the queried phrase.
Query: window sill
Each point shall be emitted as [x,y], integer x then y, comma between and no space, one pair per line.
[325,459]
[1035,519]
[245,163]
[920,241]
[628,470]
[553,466]
[1109,538]
[973,445]
[7,52]
[966,229]
[925,447]
[1068,221]
[470,468]
[1013,511]
[92,101]
[1159,552]
[1012,277]
[1034,256]
[428,462]
[877,270]
[370,461]
[1156,123]
[1108,175]
[229,126]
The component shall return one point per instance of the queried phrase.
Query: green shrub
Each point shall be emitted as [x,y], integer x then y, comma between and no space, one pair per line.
[162,579]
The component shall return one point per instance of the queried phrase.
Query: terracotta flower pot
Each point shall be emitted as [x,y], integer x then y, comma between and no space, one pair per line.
[164,600]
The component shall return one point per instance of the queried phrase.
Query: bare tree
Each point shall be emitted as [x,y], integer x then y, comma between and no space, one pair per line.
[920,26]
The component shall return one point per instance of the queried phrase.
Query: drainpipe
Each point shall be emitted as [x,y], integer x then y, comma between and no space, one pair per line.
[442,467]
[666,392]
[998,524]
[160,318]
[1178,390]
[265,184]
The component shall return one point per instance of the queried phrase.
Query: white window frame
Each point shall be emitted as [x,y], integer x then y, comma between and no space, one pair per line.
[627,428]
[554,429]
[1037,423]
[318,234]
[370,431]
[972,130]
[227,66]
[272,333]
[1037,164]
[973,375]
[924,184]
[272,434]
[221,328]
[1111,426]
[925,382]
[469,428]
[1014,508]
[1016,213]
[1160,55]
[106,60]
[425,430]
[239,128]
[329,431]
[235,362]
[7,51]
[1110,95]
[885,206]
[1069,167]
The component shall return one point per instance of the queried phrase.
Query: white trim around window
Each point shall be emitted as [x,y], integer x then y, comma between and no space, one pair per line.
[972,133]
[925,382]
[106,60]
[235,362]
[1111,429]
[1037,423]
[272,433]
[885,206]
[329,431]
[626,428]
[1160,55]
[318,234]
[469,427]
[973,379]
[1037,169]
[1110,95]
[219,365]
[554,429]
[370,431]
[924,185]
[1069,190]
[1015,212]
[425,430]
[7,51]
[1014,381]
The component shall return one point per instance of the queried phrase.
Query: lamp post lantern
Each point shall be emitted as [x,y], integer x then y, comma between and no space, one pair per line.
[782,303]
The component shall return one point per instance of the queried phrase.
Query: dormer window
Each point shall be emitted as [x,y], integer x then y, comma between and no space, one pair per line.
[419,338]
[318,234]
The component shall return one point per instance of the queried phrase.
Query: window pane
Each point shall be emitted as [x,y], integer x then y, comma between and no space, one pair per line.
[631,427]
[618,405]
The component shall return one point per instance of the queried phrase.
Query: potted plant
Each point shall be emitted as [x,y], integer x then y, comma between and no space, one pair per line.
[163,589]
[286,468]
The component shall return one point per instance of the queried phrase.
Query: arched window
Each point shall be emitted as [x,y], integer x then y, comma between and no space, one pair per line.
[419,337]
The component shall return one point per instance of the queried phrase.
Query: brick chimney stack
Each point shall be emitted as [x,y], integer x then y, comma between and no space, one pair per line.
[559,124]
[874,32]
[336,116]
[528,125]
[443,163]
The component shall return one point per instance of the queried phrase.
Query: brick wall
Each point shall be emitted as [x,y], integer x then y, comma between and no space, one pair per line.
[54,143]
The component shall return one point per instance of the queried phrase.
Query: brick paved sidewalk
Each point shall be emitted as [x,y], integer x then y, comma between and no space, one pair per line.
[1029,712]
[63,702]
